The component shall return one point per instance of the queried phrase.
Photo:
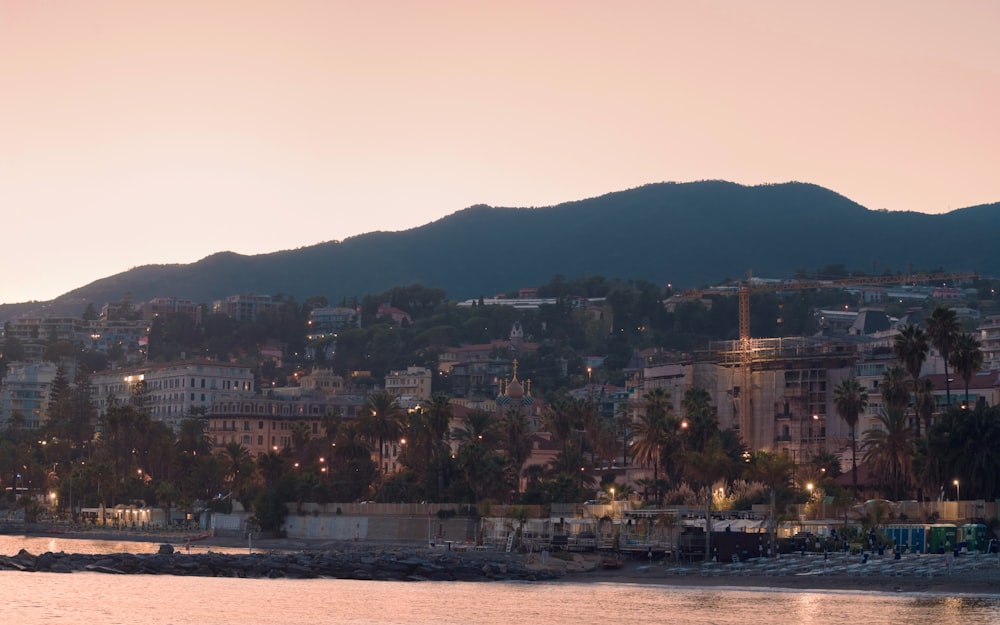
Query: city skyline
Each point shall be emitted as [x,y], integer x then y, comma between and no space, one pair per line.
[143,134]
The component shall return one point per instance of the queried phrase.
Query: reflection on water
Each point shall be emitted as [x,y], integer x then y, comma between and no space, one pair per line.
[36,598]
[10,545]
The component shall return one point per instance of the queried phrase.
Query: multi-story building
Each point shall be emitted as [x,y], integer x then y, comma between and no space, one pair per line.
[245,307]
[321,383]
[331,320]
[108,334]
[46,328]
[24,394]
[162,306]
[169,392]
[412,384]
[263,425]
[989,340]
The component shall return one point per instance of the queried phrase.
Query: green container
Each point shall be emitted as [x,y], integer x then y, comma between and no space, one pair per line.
[941,538]
[975,538]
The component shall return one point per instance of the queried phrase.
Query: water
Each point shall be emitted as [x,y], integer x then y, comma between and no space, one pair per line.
[42,598]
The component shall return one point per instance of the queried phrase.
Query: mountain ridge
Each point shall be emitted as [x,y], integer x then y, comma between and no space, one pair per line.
[688,234]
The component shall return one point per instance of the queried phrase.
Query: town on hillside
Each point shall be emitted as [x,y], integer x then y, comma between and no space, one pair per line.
[587,414]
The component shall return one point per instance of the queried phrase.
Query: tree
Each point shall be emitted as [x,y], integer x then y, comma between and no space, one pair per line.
[701,421]
[888,450]
[774,471]
[652,432]
[943,331]
[518,443]
[965,443]
[967,359]
[381,421]
[910,347]
[923,405]
[850,399]
[707,467]
[239,468]
[894,389]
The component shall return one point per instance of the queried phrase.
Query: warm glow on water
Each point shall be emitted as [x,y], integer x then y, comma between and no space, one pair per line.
[37,598]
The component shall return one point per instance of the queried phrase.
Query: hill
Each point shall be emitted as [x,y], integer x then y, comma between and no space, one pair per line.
[688,234]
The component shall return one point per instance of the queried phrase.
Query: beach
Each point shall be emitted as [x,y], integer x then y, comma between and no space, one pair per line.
[968,574]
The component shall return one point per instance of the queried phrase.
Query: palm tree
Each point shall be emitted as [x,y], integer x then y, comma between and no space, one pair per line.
[911,349]
[381,421]
[967,359]
[893,388]
[707,467]
[965,442]
[923,405]
[850,399]
[653,432]
[240,467]
[437,416]
[701,420]
[889,451]
[518,443]
[943,330]
[559,419]
[774,471]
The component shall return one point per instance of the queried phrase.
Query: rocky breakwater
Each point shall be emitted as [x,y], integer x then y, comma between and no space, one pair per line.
[348,564]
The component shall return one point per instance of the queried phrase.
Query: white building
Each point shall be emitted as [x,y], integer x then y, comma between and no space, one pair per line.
[989,339]
[170,391]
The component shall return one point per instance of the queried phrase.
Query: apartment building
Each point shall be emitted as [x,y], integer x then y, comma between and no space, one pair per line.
[331,320]
[245,307]
[413,384]
[163,306]
[25,393]
[169,392]
[989,338]
[263,425]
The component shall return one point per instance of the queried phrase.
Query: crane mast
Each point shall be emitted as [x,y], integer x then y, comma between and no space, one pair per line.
[747,288]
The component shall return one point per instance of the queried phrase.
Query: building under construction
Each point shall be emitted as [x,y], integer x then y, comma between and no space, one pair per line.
[790,389]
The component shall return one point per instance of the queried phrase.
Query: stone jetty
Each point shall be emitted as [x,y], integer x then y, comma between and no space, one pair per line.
[334,564]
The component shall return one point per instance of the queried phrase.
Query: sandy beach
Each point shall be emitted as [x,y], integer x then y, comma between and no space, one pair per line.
[969,574]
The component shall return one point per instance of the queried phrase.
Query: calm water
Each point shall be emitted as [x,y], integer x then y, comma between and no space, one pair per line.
[37,598]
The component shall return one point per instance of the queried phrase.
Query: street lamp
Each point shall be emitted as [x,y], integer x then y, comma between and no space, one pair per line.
[958,491]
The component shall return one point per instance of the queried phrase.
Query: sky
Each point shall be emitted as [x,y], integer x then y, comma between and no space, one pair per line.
[135,132]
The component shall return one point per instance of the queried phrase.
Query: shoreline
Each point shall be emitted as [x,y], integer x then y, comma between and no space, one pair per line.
[968,575]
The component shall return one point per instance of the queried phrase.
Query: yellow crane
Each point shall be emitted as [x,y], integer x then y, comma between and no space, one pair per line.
[748,287]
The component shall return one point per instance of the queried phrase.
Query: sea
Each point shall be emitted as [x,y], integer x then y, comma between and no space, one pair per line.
[97,598]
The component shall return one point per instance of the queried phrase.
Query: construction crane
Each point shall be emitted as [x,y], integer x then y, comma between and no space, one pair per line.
[748,287]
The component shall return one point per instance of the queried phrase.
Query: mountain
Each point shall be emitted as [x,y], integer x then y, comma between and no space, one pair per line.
[688,234]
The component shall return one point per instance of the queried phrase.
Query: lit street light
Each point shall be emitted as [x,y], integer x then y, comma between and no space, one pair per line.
[958,498]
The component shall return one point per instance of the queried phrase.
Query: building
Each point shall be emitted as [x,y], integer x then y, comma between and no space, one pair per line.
[25,393]
[413,383]
[321,383]
[246,307]
[989,338]
[170,392]
[330,321]
[163,306]
[264,425]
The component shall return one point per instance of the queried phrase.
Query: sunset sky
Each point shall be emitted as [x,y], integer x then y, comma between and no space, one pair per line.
[136,132]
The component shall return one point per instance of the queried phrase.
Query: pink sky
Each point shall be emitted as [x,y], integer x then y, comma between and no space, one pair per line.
[137,132]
